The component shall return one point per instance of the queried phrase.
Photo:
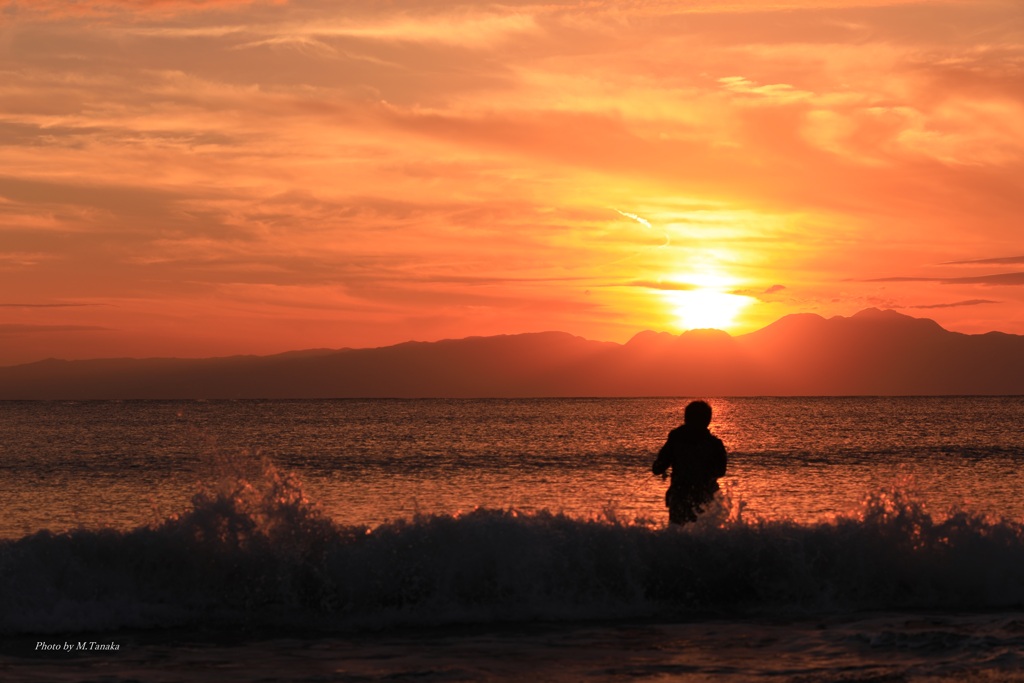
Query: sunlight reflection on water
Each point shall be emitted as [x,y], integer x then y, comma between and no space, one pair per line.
[365,462]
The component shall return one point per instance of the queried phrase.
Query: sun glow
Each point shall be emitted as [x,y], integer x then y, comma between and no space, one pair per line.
[707,308]
[709,304]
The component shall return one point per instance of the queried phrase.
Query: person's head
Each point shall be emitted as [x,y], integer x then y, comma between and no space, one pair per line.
[698,414]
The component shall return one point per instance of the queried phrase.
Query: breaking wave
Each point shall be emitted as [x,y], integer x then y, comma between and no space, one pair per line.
[257,554]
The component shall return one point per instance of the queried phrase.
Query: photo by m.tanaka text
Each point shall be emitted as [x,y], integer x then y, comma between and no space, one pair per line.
[76,646]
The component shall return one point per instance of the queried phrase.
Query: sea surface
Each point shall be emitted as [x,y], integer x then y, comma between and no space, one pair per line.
[855,539]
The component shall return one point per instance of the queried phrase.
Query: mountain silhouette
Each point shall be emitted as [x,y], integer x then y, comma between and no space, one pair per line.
[871,353]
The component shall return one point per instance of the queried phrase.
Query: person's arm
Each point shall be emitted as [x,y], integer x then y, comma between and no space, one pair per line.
[721,459]
[664,459]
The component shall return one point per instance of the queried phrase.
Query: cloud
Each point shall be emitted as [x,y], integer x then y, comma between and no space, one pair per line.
[955,304]
[58,9]
[5,305]
[761,295]
[664,285]
[474,280]
[999,279]
[381,158]
[1004,260]
[632,216]
[81,205]
[779,92]
[471,29]
[15,329]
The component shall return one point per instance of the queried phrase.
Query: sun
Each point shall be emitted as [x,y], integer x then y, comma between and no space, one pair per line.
[707,308]
[708,303]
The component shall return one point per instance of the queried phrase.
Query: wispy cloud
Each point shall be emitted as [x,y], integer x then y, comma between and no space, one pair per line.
[19,329]
[664,285]
[760,294]
[1001,261]
[59,9]
[14,305]
[956,304]
[632,216]
[999,279]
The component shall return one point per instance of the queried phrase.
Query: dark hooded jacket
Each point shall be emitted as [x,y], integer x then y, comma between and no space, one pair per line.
[697,459]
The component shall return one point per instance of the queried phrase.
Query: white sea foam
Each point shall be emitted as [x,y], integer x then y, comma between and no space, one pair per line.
[255,552]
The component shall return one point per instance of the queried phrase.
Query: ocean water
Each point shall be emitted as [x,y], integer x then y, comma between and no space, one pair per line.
[856,539]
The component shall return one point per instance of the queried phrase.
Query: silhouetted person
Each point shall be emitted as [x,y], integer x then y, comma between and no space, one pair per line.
[697,459]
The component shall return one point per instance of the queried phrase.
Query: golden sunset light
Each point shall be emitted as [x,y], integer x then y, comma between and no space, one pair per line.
[207,178]
[708,308]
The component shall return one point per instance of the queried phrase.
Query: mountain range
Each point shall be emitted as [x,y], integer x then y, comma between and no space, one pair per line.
[871,353]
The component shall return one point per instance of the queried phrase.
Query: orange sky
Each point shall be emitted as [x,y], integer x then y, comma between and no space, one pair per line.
[190,178]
